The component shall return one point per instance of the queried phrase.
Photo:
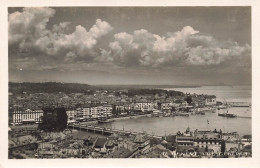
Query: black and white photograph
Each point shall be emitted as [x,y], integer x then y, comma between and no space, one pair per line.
[135,82]
[129,82]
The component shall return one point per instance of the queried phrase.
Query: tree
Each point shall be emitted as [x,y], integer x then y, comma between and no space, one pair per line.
[189,100]
[54,119]
[206,149]
[223,146]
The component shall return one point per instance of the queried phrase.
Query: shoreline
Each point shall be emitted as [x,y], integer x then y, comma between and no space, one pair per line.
[116,119]
[129,117]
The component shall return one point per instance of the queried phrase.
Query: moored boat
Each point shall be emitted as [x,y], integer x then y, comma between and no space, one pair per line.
[104,121]
[231,115]
[227,115]
[181,114]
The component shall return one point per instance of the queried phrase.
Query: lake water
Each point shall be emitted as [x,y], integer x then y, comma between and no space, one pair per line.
[170,125]
[241,93]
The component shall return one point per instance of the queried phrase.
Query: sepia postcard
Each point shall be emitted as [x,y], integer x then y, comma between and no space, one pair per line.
[116,84]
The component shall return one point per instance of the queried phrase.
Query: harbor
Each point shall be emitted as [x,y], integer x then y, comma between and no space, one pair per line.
[170,125]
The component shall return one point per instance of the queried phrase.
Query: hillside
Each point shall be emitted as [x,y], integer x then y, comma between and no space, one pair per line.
[49,87]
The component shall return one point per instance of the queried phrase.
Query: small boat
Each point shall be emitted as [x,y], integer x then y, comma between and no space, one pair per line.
[167,115]
[222,114]
[200,113]
[104,121]
[181,114]
[231,115]
[222,107]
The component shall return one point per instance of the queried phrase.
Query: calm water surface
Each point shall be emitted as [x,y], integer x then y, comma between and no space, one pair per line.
[241,93]
[170,125]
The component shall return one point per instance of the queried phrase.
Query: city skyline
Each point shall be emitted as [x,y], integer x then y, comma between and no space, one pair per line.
[130,45]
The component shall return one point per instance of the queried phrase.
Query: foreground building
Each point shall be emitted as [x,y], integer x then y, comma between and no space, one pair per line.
[200,142]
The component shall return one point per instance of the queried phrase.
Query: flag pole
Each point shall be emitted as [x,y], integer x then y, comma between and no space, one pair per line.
[207,125]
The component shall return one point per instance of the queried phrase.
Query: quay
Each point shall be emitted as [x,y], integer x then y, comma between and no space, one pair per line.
[107,131]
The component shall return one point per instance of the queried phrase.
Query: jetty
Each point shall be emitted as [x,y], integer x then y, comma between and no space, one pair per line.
[107,131]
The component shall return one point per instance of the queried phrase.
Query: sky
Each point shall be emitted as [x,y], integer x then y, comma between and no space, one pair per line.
[130,45]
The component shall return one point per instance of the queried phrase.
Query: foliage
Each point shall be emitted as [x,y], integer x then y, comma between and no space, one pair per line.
[54,119]
[189,99]
[160,92]
[223,146]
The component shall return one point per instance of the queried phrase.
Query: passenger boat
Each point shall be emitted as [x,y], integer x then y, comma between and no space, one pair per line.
[227,115]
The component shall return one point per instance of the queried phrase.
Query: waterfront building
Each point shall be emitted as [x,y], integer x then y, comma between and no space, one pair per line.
[128,107]
[210,100]
[165,106]
[72,114]
[83,113]
[27,116]
[106,111]
[95,111]
[119,107]
[86,113]
[144,106]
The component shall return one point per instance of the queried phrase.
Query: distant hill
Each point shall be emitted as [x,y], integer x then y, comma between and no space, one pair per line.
[49,87]
[54,87]
[148,86]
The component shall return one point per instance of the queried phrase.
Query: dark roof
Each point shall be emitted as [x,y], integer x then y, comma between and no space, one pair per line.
[100,142]
[184,148]
[171,138]
[121,153]
[110,143]
[201,149]
[207,136]
[247,136]
[184,138]
[247,148]
[140,138]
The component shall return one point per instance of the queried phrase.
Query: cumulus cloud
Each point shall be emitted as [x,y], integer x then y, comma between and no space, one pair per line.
[185,47]
[28,32]
[28,24]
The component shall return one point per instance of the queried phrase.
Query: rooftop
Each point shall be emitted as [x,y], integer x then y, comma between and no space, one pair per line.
[121,153]
[100,142]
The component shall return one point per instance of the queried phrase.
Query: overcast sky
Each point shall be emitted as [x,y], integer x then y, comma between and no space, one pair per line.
[131,45]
